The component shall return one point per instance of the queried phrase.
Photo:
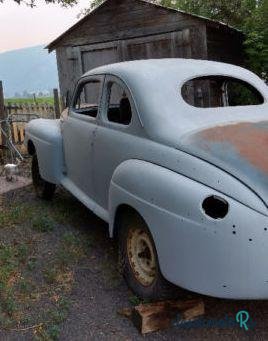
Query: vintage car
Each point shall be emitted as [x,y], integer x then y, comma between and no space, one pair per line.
[172,153]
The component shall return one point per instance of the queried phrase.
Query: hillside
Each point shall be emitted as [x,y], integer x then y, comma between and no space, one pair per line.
[31,69]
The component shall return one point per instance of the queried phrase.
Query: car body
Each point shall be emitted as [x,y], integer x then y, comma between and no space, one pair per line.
[198,176]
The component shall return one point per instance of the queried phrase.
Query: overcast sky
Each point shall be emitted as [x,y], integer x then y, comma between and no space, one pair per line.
[21,26]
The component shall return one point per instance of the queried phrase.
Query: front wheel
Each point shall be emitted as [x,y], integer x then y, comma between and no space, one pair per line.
[139,262]
[44,190]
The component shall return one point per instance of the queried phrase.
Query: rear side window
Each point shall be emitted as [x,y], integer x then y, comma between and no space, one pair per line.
[87,98]
[119,107]
[218,91]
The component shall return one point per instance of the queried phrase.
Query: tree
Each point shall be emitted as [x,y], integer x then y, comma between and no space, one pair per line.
[250,16]
[32,3]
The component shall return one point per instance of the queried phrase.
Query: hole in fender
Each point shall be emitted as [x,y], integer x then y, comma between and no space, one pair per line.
[215,207]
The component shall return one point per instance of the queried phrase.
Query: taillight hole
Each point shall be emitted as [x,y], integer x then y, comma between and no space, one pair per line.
[215,207]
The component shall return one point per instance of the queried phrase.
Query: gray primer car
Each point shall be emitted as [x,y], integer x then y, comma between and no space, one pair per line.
[184,188]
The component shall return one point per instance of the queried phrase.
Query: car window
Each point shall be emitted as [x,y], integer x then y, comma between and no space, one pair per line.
[220,91]
[87,98]
[119,107]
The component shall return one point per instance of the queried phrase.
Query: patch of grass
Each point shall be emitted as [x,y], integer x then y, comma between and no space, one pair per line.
[25,288]
[10,216]
[35,279]
[70,250]
[11,259]
[135,300]
[39,100]
[51,329]
[19,213]
[43,223]
[50,274]
[31,265]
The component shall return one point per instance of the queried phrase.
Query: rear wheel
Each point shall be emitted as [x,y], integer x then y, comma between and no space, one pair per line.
[139,262]
[44,190]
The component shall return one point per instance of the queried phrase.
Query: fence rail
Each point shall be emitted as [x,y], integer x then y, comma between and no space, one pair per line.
[44,110]
[14,116]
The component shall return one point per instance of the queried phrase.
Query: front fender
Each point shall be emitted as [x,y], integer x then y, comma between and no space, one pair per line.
[47,139]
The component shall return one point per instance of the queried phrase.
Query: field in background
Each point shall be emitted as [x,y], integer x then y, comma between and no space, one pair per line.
[38,100]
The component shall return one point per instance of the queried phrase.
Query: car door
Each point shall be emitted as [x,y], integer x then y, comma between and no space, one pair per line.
[119,125]
[78,130]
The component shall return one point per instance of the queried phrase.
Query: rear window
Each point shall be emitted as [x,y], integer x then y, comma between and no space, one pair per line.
[219,91]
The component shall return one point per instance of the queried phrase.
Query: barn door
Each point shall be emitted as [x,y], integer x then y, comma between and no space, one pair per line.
[98,55]
[168,45]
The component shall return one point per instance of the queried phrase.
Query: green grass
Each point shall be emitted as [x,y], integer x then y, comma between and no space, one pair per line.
[39,100]
[31,280]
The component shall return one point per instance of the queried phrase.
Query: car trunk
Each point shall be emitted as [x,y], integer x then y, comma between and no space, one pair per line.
[240,149]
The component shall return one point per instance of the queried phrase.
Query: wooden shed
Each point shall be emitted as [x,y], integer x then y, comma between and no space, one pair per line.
[120,30]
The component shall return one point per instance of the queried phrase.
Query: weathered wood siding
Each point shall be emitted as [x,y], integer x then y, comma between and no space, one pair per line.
[122,19]
[74,61]
[224,46]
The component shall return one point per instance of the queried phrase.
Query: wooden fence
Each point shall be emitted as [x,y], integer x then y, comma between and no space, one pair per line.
[44,110]
[17,130]
[21,113]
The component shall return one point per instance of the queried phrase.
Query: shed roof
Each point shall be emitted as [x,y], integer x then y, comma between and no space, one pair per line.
[56,42]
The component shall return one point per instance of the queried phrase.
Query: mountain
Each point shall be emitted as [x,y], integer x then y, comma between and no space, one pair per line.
[29,69]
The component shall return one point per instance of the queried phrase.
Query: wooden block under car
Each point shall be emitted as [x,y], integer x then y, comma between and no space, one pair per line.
[158,316]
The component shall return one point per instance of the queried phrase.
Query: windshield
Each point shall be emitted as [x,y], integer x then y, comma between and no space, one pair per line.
[220,91]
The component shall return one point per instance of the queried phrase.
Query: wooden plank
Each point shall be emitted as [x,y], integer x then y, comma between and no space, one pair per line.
[160,315]
[56,103]
[15,133]
[99,57]
[21,134]
[2,111]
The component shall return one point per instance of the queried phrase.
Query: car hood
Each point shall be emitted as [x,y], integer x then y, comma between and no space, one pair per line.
[241,149]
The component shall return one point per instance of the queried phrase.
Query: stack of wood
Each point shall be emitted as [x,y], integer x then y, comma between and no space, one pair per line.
[160,315]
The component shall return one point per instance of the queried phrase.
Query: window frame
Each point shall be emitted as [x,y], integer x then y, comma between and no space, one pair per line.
[105,104]
[79,85]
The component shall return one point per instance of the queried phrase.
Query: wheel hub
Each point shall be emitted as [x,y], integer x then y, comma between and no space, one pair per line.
[141,256]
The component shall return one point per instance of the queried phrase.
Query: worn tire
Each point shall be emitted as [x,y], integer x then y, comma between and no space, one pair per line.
[44,190]
[157,286]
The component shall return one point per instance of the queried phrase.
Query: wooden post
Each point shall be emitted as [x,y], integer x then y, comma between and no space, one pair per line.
[2,111]
[56,103]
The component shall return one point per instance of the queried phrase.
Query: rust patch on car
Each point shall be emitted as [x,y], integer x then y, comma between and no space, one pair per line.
[250,140]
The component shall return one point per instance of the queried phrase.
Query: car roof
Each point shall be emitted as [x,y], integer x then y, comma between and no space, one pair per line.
[176,67]
[155,85]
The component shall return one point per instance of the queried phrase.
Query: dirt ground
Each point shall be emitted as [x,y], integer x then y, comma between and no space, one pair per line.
[87,280]
[6,186]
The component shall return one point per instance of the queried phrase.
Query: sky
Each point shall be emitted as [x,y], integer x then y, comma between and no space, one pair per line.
[21,26]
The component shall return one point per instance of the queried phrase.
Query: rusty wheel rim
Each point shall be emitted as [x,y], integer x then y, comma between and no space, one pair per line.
[141,256]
